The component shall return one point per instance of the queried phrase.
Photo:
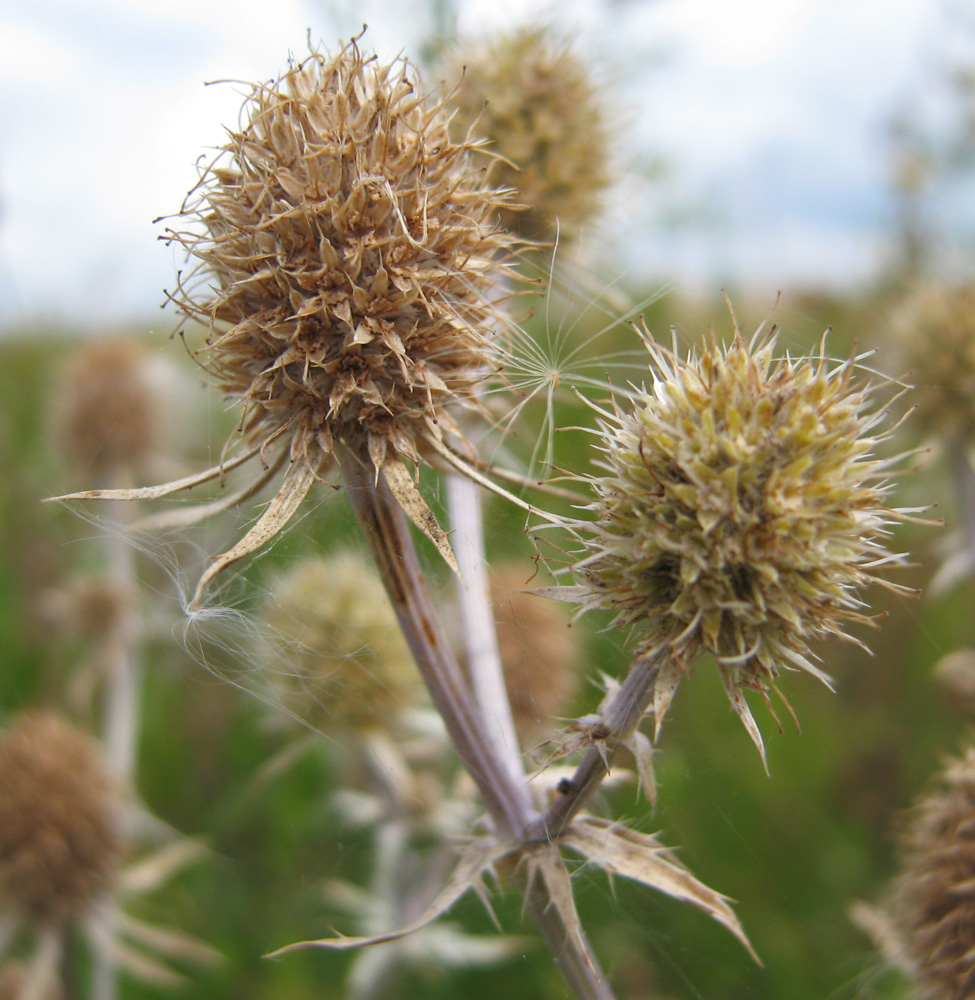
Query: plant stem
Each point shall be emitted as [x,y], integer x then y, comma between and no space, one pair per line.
[464,500]
[392,548]
[507,800]
[624,712]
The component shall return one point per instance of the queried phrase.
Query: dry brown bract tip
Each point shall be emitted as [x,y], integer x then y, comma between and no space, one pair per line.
[349,271]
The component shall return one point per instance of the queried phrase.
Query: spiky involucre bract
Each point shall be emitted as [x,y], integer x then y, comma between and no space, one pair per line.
[740,509]
[933,907]
[349,261]
[535,100]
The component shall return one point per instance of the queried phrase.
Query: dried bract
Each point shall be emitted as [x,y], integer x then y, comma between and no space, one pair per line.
[740,508]
[60,845]
[535,101]
[933,906]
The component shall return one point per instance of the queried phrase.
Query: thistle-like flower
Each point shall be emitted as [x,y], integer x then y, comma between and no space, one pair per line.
[535,101]
[60,842]
[740,508]
[932,910]
[539,653]
[349,260]
[337,651]
[935,331]
[107,409]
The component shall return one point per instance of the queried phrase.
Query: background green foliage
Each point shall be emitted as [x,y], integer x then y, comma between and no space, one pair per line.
[794,849]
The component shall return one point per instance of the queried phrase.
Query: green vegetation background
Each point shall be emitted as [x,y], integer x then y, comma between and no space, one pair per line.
[795,848]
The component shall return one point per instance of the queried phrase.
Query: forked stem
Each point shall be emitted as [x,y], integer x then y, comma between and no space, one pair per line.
[507,801]
[625,711]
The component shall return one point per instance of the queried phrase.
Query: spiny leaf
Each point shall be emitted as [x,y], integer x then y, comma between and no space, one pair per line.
[478,858]
[639,856]
[411,501]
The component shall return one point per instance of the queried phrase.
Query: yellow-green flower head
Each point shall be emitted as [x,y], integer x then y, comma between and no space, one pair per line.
[535,101]
[932,910]
[740,508]
[935,330]
[337,652]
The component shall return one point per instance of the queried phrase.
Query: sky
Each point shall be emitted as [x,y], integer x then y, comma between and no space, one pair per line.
[768,116]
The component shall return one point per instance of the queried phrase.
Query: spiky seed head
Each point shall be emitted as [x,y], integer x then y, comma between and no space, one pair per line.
[539,652]
[740,507]
[337,651]
[534,99]
[934,327]
[349,259]
[60,842]
[933,905]
[107,409]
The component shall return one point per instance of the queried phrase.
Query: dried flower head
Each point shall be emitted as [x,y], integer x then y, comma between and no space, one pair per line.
[740,509]
[60,844]
[107,409]
[932,910]
[348,269]
[338,653]
[935,330]
[538,652]
[536,102]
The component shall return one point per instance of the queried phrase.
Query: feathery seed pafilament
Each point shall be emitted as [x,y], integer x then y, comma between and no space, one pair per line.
[349,261]
[740,509]
[60,845]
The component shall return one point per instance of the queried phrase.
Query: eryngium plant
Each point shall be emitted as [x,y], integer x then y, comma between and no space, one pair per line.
[741,505]
[932,911]
[535,101]
[348,265]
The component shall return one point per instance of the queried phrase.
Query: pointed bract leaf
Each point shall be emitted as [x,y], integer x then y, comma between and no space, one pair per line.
[639,856]
[477,859]
[411,501]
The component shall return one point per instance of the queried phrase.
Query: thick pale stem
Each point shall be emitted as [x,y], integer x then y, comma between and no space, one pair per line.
[121,654]
[624,712]
[464,500]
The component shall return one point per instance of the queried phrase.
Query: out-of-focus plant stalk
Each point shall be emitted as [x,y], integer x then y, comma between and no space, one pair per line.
[477,618]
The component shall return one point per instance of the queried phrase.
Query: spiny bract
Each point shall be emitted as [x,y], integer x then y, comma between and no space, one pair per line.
[740,508]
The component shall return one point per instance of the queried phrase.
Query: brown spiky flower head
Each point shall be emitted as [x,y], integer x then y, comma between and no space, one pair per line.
[534,99]
[107,410]
[60,844]
[739,509]
[932,909]
[935,330]
[349,261]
